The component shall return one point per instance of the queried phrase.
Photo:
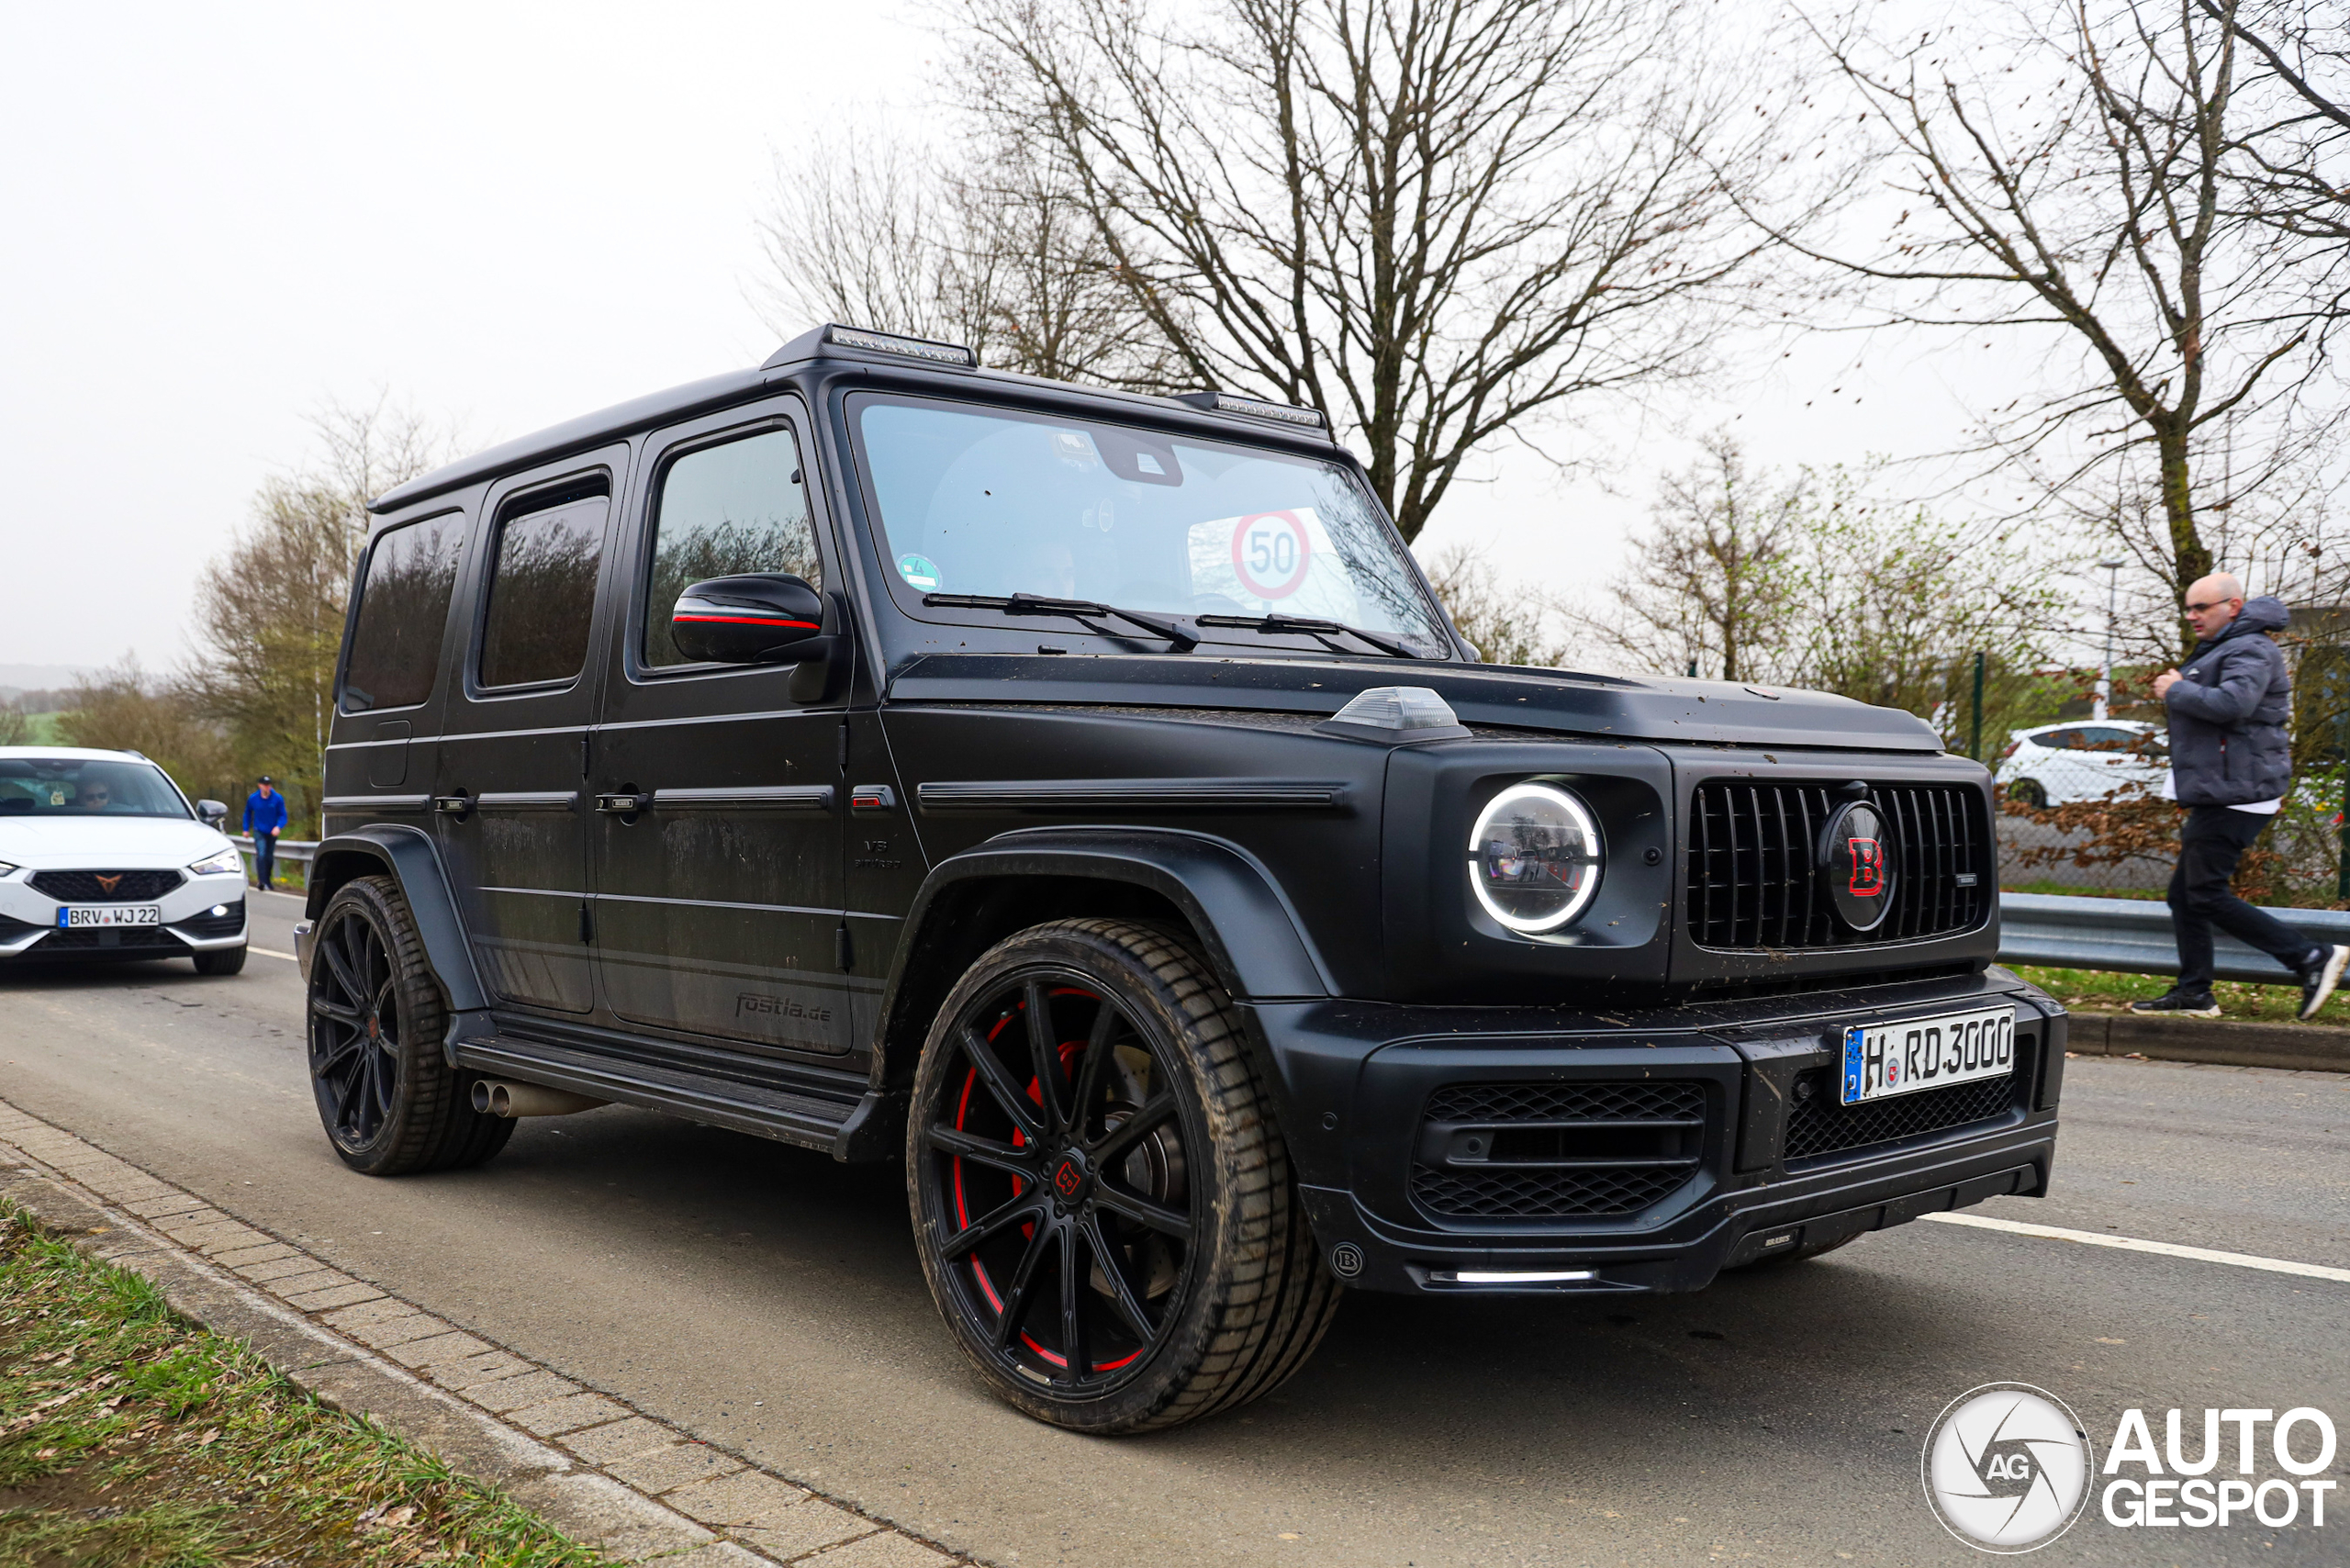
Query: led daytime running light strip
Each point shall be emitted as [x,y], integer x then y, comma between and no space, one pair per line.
[889,343]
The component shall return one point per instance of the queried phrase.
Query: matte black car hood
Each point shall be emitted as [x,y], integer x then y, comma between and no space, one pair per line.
[1704,712]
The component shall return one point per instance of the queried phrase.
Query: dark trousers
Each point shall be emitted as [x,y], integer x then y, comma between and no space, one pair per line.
[265,859]
[2214,839]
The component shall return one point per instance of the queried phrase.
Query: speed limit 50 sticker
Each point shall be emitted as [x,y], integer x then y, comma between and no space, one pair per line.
[1270,554]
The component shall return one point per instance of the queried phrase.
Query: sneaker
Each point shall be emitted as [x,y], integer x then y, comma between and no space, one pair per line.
[2183,1003]
[2319,980]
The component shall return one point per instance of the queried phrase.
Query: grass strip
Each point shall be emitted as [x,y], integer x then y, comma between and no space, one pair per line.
[130,1437]
[2104,990]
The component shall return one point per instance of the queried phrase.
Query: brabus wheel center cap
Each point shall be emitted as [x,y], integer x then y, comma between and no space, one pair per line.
[1069,1179]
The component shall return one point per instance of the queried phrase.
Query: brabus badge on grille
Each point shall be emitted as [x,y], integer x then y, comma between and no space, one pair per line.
[1856,864]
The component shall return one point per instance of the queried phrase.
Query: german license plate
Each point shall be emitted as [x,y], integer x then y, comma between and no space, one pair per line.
[80,917]
[1881,1060]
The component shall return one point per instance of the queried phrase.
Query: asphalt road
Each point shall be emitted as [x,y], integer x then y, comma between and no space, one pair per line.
[768,1300]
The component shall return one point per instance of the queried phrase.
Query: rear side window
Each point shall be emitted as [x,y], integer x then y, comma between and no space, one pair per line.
[739,507]
[403,606]
[543,594]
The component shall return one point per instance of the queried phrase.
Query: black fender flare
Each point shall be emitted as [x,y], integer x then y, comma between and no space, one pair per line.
[1252,935]
[413,860]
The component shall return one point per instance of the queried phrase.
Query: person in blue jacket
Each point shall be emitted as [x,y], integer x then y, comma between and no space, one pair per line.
[264,819]
[2231,767]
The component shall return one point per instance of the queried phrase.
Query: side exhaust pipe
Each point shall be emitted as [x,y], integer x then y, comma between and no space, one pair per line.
[494,1098]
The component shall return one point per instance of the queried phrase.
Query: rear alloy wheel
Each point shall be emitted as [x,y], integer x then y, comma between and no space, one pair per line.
[390,1102]
[2030,792]
[1102,1203]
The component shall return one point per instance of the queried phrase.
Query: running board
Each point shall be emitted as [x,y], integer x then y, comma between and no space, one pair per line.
[807,1120]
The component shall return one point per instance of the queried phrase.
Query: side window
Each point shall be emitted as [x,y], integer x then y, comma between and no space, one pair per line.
[543,593]
[403,607]
[737,507]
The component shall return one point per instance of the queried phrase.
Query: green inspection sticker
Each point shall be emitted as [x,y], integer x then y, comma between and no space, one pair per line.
[919,570]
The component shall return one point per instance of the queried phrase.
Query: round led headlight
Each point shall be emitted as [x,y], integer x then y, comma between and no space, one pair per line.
[1534,858]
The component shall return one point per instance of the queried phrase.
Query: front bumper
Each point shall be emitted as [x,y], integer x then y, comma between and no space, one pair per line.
[1360,1086]
[29,932]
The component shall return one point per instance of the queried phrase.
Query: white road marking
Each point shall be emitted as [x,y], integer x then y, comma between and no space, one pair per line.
[2131,1244]
[272,953]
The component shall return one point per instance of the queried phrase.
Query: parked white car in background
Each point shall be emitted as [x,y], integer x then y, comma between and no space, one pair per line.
[2054,765]
[101,857]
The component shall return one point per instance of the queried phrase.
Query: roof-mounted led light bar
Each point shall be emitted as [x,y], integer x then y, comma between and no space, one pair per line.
[894,342]
[1255,408]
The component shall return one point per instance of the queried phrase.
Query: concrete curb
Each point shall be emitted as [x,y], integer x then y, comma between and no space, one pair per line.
[2296,1047]
[601,1471]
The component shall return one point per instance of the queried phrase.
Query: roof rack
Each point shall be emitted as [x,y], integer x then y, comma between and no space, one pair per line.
[1255,408]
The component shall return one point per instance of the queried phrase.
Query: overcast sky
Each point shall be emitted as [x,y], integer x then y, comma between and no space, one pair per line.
[213,220]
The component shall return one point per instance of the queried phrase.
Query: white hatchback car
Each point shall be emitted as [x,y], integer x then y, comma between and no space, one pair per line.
[101,857]
[2087,759]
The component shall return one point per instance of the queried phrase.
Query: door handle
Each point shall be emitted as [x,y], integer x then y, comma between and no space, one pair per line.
[456,805]
[620,804]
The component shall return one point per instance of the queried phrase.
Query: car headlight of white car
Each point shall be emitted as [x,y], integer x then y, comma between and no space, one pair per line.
[6,869]
[228,862]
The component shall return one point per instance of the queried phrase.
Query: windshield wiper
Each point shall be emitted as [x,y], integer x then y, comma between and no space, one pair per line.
[1313,626]
[1077,608]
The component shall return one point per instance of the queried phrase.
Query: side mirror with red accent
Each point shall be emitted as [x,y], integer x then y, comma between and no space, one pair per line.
[750,620]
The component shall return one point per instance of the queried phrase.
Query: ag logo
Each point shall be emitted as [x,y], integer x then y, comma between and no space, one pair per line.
[108,883]
[1856,864]
[1067,1179]
[2007,1467]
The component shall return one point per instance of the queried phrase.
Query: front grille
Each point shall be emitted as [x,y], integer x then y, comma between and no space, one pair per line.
[84,887]
[1818,1125]
[1753,869]
[1640,1101]
[108,937]
[208,925]
[1555,1150]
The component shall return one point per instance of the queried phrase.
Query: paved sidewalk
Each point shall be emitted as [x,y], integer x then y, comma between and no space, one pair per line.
[595,1468]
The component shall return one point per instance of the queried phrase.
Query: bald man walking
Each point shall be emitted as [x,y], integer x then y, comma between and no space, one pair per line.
[2231,763]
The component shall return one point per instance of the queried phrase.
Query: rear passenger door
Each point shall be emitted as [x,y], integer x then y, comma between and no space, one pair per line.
[719,901]
[508,793]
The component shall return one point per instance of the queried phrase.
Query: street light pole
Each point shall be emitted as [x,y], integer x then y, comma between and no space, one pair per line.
[2099,710]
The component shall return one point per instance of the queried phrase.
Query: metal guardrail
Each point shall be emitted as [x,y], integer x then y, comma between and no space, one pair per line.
[2136,935]
[298,850]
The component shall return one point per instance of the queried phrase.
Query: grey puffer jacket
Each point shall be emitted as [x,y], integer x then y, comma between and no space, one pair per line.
[2228,713]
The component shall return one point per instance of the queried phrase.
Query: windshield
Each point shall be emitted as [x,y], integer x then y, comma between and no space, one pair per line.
[989,502]
[85,786]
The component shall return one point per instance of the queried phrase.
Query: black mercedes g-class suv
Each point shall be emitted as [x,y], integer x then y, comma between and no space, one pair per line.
[1081,797]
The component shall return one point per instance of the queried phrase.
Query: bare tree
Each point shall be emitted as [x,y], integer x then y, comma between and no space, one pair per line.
[2296,131]
[987,249]
[2077,173]
[1508,623]
[1707,589]
[270,610]
[1437,221]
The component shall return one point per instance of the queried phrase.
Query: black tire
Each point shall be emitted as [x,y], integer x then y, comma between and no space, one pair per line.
[221,961]
[2030,792]
[390,1102]
[1150,1197]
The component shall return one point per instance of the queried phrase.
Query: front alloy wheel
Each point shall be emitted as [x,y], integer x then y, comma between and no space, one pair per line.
[1103,1209]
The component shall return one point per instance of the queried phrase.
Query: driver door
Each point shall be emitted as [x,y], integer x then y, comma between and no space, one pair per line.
[719,901]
